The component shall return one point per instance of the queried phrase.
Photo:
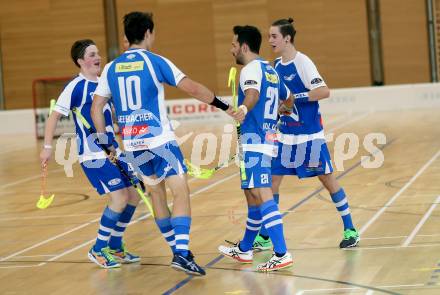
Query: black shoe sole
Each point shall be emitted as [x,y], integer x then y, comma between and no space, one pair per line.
[179,268]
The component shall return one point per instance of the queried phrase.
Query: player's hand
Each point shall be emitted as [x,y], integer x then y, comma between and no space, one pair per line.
[230,111]
[284,109]
[112,155]
[45,156]
[240,114]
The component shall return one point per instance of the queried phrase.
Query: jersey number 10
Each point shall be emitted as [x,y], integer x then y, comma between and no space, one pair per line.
[126,87]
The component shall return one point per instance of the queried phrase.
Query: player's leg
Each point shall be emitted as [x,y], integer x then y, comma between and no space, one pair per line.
[339,198]
[162,213]
[319,164]
[102,176]
[116,245]
[242,251]
[281,165]
[262,241]
[169,166]
[273,222]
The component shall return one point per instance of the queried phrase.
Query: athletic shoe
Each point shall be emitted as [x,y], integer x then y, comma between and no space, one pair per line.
[124,256]
[187,264]
[235,253]
[103,258]
[351,238]
[276,263]
[260,244]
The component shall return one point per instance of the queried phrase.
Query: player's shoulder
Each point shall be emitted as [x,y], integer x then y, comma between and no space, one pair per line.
[302,59]
[75,82]
[253,66]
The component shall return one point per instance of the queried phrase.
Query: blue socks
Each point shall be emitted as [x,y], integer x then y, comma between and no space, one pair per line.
[273,222]
[253,225]
[115,241]
[263,231]
[108,222]
[167,231]
[181,225]
[341,203]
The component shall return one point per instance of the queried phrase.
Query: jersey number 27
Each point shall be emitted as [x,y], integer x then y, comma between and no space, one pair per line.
[271,106]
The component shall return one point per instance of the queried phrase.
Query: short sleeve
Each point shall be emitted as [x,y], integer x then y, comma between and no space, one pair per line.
[66,98]
[170,74]
[310,75]
[103,89]
[251,76]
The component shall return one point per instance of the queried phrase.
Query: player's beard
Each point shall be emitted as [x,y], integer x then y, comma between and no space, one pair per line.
[239,59]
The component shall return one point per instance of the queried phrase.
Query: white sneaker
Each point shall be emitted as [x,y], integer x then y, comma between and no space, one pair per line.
[276,263]
[235,253]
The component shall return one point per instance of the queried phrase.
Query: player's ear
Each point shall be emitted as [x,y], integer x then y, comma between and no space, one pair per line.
[245,47]
[148,34]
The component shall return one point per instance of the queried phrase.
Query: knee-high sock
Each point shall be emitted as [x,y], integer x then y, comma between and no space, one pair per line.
[167,231]
[181,225]
[263,231]
[273,222]
[340,200]
[253,225]
[108,222]
[115,241]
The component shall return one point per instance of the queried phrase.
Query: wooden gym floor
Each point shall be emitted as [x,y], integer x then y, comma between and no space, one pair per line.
[395,207]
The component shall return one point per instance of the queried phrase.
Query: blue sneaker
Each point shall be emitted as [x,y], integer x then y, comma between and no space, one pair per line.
[124,256]
[103,258]
[187,264]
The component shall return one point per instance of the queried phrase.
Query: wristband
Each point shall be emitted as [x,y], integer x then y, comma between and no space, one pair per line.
[304,99]
[301,97]
[244,109]
[47,146]
[219,104]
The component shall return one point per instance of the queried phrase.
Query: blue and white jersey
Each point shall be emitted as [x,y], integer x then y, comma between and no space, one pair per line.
[135,82]
[300,75]
[259,126]
[78,94]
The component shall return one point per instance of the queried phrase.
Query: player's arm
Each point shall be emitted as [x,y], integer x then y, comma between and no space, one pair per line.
[319,93]
[51,125]
[287,99]
[173,76]
[250,100]
[251,78]
[313,81]
[62,108]
[100,98]
[97,112]
[202,93]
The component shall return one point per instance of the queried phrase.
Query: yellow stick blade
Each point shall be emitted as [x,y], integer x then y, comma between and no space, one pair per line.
[43,203]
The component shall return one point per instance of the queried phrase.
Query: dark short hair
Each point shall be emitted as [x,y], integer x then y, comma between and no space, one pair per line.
[79,49]
[136,24]
[249,35]
[286,27]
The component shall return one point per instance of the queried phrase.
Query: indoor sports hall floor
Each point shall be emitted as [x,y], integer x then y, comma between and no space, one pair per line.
[395,207]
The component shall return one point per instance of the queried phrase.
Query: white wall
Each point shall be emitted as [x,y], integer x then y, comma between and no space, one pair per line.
[365,99]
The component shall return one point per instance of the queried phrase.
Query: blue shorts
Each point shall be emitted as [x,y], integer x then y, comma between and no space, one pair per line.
[307,159]
[105,176]
[163,161]
[257,170]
